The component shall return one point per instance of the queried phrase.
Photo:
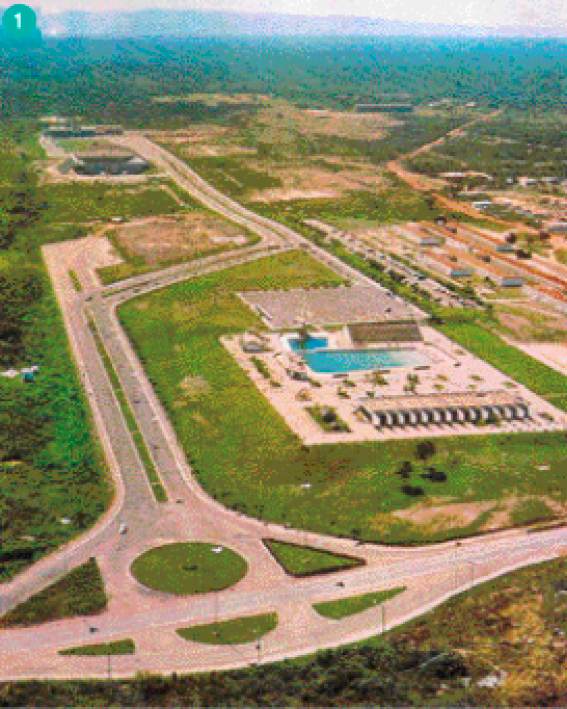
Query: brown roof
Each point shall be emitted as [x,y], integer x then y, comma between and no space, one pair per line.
[450,400]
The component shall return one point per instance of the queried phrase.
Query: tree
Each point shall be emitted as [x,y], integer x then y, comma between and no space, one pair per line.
[425,450]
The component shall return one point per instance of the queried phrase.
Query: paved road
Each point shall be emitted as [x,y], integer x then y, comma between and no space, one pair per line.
[430,574]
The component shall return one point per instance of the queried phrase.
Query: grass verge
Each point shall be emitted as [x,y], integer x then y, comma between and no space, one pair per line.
[231,632]
[151,472]
[302,561]
[75,280]
[344,607]
[483,343]
[80,592]
[120,647]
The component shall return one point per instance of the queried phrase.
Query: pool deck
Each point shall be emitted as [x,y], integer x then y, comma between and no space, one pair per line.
[451,370]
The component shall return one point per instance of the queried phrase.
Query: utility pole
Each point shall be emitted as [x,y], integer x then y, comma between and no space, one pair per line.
[109,666]
[383,607]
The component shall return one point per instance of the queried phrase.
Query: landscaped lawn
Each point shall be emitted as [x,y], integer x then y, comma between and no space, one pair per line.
[184,569]
[307,561]
[342,608]
[244,454]
[231,632]
[120,647]
[81,592]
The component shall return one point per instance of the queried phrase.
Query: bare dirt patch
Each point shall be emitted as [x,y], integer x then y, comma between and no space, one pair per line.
[440,517]
[434,516]
[309,181]
[281,116]
[163,240]
[194,386]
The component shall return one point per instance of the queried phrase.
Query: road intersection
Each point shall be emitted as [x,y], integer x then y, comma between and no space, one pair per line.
[430,574]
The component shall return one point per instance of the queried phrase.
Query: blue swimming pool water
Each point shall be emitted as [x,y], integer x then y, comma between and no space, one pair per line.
[312,343]
[335,361]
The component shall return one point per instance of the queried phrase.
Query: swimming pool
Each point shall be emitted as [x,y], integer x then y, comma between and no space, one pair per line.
[335,361]
[311,343]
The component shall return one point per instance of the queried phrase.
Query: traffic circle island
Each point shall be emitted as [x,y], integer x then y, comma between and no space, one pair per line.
[184,569]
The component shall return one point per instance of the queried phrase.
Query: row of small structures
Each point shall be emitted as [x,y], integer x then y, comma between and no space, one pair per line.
[444,408]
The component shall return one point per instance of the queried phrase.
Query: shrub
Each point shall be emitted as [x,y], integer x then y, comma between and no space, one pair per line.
[425,450]
[413,490]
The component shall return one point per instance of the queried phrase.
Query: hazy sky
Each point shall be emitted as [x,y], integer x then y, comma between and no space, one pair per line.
[464,12]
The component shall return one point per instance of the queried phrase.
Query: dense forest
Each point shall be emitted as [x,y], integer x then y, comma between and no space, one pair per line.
[114,80]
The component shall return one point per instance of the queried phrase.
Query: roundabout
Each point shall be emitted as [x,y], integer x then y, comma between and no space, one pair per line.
[184,569]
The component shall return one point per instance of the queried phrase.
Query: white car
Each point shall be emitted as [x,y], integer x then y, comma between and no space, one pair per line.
[123,528]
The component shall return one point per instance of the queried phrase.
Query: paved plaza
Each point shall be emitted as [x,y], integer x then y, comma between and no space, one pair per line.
[282,310]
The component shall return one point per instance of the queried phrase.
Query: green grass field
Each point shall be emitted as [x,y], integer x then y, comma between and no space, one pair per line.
[185,569]
[79,203]
[81,592]
[231,175]
[528,371]
[119,647]
[245,455]
[307,561]
[345,607]
[231,632]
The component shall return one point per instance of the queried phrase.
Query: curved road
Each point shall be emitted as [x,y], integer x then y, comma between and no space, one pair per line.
[430,574]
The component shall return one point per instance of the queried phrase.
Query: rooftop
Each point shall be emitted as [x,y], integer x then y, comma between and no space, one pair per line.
[431,401]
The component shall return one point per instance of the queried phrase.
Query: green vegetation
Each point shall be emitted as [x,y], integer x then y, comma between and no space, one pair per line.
[231,632]
[328,419]
[396,203]
[345,607]
[75,280]
[516,364]
[561,255]
[50,464]
[185,569]
[531,511]
[245,455]
[512,624]
[512,144]
[80,592]
[261,367]
[230,174]
[79,203]
[153,478]
[308,561]
[119,647]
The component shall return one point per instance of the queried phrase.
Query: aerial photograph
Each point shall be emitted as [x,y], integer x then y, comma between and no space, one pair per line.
[283,353]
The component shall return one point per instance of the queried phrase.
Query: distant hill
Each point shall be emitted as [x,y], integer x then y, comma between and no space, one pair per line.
[200,23]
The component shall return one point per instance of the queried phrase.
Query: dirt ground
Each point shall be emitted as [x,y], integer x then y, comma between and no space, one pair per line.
[158,240]
[204,140]
[311,181]
[279,115]
[444,516]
